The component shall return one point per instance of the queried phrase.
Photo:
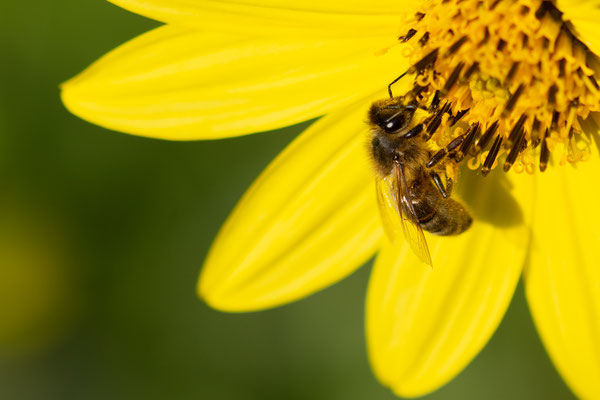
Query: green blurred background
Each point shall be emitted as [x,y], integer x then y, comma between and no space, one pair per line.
[102,236]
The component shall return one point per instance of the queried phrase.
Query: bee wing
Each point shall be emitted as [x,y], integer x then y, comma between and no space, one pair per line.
[408,216]
[397,210]
[388,207]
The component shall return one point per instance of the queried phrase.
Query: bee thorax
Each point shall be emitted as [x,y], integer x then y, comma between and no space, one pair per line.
[385,150]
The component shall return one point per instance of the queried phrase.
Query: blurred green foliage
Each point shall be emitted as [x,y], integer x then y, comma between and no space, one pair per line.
[102,236]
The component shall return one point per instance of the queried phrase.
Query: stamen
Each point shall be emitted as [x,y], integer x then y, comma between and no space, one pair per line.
[511,73]
[512,101]
[457,117]
[514,133]
[472,69]
[591,78]
[561,68]
[489,133]
[515,149]
[491,157]
[535,134]
[544,153]
[437,120]
[405,38]
[485,38]
[435,102]
[453,78]
[552,94]
[437,157]
[456,46]
[464,148]
[501,44]
[543,9]
[425,62]
[555,118]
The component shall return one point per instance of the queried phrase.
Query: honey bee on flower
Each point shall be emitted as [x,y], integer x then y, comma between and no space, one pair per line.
[517,122]
[509,83]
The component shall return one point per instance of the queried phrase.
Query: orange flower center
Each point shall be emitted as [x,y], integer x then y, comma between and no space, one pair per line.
[508,75]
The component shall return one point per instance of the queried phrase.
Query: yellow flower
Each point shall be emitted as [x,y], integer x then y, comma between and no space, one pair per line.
[219,69]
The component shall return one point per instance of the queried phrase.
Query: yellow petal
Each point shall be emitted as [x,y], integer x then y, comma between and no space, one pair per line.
[314,18]
[178,84]
[563,281]
[585,17]
[424,325]
[309,220]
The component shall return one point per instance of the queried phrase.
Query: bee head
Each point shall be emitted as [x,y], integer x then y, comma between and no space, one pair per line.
[391,115]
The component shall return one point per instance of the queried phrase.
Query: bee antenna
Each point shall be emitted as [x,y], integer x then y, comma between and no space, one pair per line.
[394,81]
[419,66]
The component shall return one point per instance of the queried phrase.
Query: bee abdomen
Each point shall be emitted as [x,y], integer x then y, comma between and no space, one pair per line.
[447,217]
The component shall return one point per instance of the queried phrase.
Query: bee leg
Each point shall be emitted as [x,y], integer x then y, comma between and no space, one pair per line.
[414,131]
[438,183]
[437,157]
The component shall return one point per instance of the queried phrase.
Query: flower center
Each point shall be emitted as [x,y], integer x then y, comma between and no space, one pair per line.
[513,73]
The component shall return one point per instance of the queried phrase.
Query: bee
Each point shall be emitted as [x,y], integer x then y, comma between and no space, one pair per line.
[413,181]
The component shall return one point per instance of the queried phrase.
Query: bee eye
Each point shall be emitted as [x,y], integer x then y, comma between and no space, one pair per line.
[394,123]
[391,118]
